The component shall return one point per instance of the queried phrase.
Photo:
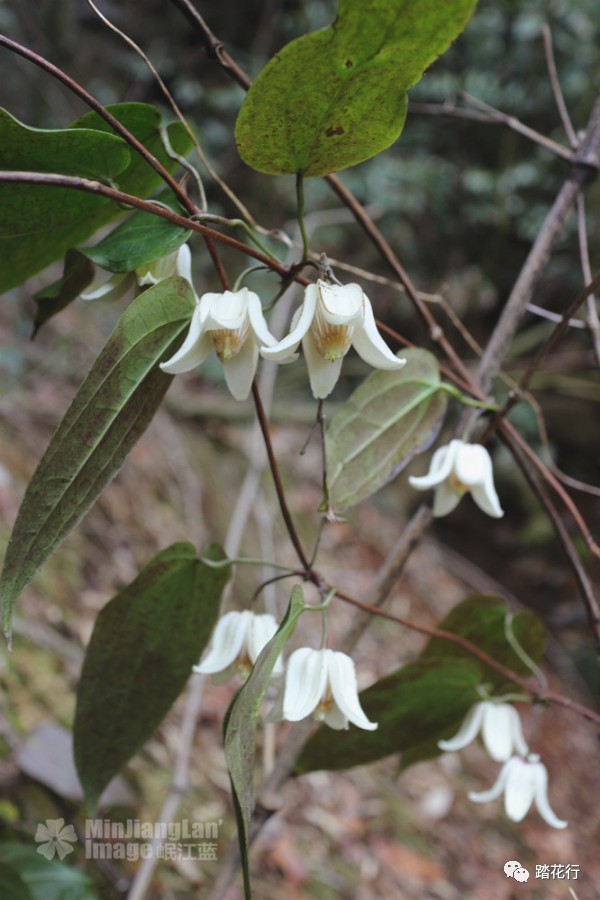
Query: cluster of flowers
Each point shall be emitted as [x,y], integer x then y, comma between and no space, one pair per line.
[523,777]
[331,319]
[321,682]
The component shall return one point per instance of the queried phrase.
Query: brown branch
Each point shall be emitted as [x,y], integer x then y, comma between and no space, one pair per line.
[89,186]
[583,172]
[105,114]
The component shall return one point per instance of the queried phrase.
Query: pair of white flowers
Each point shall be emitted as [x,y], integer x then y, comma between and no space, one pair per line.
[331,319]
[321,682]
[523,778]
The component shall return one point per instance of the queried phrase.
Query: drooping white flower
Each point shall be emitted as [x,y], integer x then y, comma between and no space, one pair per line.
[321,682]
[237,641]
[457,469]
[116,286]
[232,323]
[500,728]
[524,781]
[331,319]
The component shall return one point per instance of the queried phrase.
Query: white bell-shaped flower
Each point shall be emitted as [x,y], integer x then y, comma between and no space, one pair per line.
[321,682]
[236,643]
[116,286]
[457,469]
[500,728]
[331,319]
[524,781]
[233,324]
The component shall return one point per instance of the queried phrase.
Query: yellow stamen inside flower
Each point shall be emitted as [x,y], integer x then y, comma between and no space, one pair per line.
[332,341]
[457,485]
[228,341]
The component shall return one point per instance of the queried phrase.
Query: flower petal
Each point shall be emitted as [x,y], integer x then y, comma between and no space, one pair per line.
[258,321]
[281,351]
[520,788]
[340,304]
[227,641]
[440,468]
[370,346]
[497,730]
[323,374]
[336,719]
[342,680]
[445,500]
[157,270]
[183,263]
[541,798]
[305,682]
[195,348]
[112,288]
[486,498]
[261,630]
[497,787]
[226,310]
[467,732]
[472,464]
[239,370]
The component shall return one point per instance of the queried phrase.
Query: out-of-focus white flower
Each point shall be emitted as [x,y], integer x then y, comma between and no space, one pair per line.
[237,641]
[322,682]
[523,781]
[457,469]
[232,323]
[331,319]
[116,286]
[500,728]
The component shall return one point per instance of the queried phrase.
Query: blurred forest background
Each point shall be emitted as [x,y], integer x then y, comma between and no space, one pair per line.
[460,201]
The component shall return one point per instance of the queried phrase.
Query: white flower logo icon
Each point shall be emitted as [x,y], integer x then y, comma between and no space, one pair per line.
[55,837]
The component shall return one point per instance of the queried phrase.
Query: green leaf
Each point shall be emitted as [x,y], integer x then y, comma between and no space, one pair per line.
[138,240]
[12,886]
[414,705]
[384,423]
[111,409]
[336,97]
[39,223]
[144,644]
[46,879]
[240,726]
[78,272]
[480,619]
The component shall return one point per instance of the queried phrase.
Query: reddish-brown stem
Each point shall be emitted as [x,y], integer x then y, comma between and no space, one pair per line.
[285,512]
[527,685]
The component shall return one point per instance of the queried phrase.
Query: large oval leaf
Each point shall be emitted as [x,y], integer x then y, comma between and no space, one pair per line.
[111,409]
[414,705]
[39,223]
[337,97]
[384,423]
[144,644]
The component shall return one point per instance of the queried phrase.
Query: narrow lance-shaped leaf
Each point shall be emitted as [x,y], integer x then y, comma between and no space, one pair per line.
[336,97]
[383,424]
[110,411]
[240,726]
[414,705]
[39,223]
[144,644]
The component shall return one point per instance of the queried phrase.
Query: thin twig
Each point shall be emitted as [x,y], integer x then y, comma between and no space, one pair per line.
[519,126]
[556,88]
[592,311]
